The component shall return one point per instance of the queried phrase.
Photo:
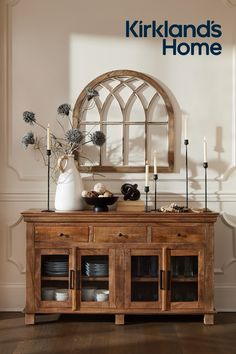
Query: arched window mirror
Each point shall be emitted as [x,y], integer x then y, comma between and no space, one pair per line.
[136,115]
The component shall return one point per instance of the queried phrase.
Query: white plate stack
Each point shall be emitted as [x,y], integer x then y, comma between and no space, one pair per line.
[96,268]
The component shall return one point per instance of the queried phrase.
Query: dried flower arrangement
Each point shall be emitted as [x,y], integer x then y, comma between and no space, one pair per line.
[73,139]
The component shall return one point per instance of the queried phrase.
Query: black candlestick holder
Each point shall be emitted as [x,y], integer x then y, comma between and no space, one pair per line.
[146,190]
[48,182]
[205,165]
[155,178]
[186,171]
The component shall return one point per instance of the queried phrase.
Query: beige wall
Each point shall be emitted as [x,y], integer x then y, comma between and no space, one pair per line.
[50,49]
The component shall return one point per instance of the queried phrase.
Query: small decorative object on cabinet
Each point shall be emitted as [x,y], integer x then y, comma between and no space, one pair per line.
[101,204]
[120,263]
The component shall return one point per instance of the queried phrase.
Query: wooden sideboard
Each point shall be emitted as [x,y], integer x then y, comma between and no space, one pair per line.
[150,263]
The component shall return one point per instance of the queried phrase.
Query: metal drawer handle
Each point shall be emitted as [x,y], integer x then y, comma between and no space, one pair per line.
[63,235]
[122,235]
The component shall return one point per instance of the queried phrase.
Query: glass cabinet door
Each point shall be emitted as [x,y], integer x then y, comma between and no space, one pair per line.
[142,278]
[54,278]
[185,278]
[96,278]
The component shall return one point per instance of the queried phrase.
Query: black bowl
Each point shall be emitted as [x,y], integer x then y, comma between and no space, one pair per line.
[100,204]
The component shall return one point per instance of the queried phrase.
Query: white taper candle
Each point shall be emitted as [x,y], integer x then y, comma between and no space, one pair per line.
[48,138]
[146,174]
[185,128]
[155,163]
[204,150]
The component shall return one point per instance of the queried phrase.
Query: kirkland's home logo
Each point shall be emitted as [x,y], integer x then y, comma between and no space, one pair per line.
[168,33]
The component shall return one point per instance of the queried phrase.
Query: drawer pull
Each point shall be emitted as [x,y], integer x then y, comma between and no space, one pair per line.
[181,235]
[63,235]
[122,235]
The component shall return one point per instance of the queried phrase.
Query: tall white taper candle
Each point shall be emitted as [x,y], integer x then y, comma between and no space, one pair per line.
[204,150]
[185,128]
[155,163]
[48,138]
[146,174]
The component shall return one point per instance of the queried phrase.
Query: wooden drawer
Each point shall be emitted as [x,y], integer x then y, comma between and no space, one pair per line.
[120,234]
[178,233]
[61,233]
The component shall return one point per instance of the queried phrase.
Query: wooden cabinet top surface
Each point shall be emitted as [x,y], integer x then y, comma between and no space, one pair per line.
[87,216]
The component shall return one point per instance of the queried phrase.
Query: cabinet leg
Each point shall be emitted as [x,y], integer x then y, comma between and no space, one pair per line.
[29,318]
[208,319]
[119,319]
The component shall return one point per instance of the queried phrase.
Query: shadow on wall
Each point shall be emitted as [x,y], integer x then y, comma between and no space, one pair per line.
[221,167]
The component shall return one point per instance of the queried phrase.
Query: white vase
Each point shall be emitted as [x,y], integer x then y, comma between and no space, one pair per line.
[69,186]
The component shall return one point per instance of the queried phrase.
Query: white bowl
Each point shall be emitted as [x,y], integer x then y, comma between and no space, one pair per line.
[88,294]
[102,295]
[61,295]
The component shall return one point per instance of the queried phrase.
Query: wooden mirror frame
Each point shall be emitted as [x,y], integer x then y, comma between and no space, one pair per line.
[169,109]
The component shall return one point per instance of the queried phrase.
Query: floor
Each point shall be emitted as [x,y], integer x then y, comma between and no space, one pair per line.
[99,335]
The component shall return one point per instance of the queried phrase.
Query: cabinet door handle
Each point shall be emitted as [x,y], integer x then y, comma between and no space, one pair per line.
[161,279]
[168,279]
[120,234]
[72,279]
[63,235]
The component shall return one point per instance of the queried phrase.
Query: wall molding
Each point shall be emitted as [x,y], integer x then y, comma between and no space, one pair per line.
[230,3]
[10,258]
[12,2]
[168,197]
[231,260]
[7,39]
[24,197]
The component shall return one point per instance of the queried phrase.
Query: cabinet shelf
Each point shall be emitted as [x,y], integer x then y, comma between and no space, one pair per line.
[86,278]
[145,279]
[54,278]
[184,279]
